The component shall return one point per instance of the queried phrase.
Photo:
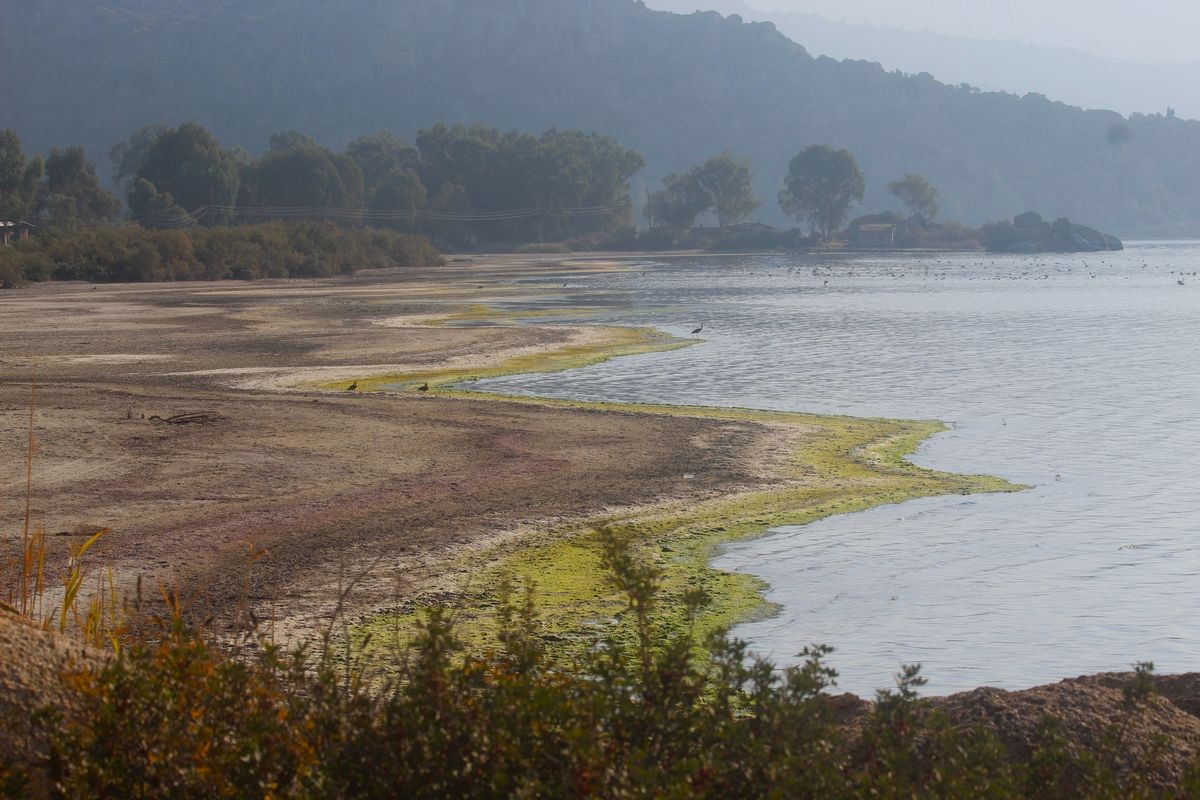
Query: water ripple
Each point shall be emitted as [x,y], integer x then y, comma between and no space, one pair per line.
[1084,387]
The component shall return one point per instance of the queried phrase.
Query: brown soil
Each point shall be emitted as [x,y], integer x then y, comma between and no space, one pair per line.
[1087,711]
[327,482]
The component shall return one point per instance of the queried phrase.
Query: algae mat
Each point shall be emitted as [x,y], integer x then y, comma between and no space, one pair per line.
[835,465]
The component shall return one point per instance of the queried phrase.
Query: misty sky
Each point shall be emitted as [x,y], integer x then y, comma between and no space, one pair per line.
[1137,29]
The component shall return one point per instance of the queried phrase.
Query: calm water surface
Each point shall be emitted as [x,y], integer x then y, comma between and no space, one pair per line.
[1078,375]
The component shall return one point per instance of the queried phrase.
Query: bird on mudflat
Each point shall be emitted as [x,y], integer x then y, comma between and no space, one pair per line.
[352,387]
[698,330]
[424,387]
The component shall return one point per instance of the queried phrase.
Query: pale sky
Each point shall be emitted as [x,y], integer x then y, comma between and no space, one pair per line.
[1146,30]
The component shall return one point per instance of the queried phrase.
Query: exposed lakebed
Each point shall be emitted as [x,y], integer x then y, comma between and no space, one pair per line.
[1078,375]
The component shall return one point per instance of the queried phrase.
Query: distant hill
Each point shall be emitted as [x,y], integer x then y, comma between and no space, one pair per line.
[996,64]
[677,88]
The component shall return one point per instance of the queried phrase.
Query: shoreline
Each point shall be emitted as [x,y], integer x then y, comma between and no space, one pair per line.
[439,484]
[323,480]
[837,465]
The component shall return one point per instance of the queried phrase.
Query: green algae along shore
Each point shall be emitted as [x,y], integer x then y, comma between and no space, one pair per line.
[824,465]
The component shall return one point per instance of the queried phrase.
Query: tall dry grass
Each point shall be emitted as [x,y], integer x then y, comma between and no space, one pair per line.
[97,617]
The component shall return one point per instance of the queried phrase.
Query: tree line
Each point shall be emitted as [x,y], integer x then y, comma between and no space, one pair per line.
[461,184]
[466,182]
[189,199]
[458,182]
[821,186]
[62,187]
[618,67]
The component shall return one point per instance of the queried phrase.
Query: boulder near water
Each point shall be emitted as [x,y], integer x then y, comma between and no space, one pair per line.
[1029,233]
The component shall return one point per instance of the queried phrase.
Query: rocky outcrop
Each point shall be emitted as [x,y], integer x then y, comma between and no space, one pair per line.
[1029,233]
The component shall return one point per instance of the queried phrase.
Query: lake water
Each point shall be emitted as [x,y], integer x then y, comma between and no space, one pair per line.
[1078,375]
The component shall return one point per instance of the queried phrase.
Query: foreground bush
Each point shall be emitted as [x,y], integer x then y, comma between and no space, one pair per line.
[178,719]
[269,250]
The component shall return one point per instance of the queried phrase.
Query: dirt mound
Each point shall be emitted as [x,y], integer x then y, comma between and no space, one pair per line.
[1087,711]
[1182,690]
[31,663]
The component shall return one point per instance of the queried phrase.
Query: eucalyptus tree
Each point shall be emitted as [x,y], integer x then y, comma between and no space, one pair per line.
[558,184]
[728,182]
[918,195]
[679,202]
[71,192]
[187,163]
[821,187]
[296,171]
[723,185]
[20,177]
[389,166]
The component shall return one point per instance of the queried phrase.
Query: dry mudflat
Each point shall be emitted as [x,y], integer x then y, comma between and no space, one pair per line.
[389,489]
[327,481]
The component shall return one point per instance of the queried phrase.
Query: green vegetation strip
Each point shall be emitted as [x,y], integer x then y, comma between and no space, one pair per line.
[838,465]
[614,342]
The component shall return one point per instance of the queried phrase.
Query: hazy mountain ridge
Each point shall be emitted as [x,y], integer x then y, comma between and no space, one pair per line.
[677,88]
[1072,76]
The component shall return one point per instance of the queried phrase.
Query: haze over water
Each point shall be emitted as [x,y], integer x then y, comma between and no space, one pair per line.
[1076,374]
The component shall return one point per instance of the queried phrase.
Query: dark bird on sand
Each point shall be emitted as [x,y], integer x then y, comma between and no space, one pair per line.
[424,387]
[699,329]
[352,387]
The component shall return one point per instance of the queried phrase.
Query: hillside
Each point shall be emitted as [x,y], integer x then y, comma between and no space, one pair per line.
[676,88]
[1073,76]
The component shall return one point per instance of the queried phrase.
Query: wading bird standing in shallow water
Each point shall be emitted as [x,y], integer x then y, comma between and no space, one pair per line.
[698,329]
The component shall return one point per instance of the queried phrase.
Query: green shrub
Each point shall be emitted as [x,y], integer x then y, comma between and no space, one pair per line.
[176,718]
[267,250]
[12,269]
